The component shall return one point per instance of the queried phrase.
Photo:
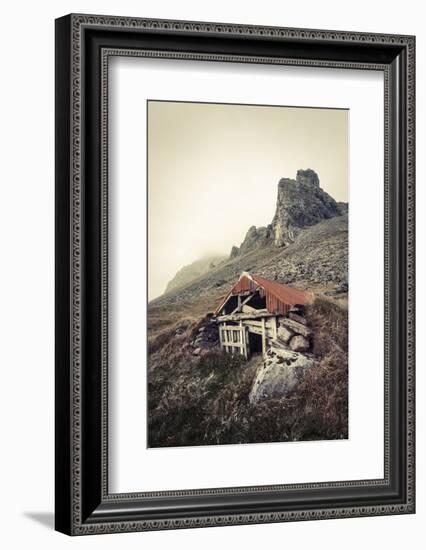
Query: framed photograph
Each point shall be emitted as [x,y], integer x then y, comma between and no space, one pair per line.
[234,274]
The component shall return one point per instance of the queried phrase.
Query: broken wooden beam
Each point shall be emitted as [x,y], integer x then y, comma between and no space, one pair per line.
[259,314]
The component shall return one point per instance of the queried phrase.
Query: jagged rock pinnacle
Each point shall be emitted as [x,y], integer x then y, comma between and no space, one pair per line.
[300,203]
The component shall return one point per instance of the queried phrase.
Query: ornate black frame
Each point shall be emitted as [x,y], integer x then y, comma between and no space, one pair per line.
[83,46]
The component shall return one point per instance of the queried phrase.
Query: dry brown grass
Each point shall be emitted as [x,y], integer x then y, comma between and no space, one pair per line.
[199,401]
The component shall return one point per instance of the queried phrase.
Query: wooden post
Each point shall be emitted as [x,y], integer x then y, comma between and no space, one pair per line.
[243,340]
[263,337]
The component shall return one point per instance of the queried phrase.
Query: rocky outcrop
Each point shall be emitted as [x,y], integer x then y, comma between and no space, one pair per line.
[256,237]
[287,358]
[235,251]
[281,372]
[343,207]
[300,203]
[206,336]
[192,271]
[308,177]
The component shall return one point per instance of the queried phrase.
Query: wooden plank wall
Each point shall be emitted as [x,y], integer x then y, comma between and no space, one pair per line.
[234,338]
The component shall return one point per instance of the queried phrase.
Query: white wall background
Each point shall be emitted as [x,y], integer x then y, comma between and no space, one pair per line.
[26,289]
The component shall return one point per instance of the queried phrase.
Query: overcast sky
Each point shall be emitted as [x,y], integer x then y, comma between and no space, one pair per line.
[213,171]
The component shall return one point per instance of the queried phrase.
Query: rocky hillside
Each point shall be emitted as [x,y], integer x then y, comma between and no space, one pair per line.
[306,244]
[298,390]
[192,271]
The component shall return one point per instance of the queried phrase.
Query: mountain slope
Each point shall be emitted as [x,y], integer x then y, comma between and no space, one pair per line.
[198,394]
[317,257]
[305,245]
[192,271]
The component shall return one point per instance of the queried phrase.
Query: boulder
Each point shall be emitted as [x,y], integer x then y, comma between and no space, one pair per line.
[299,343]
[280,373]
[298,308]
[297,317]
[284,334]
[296,327]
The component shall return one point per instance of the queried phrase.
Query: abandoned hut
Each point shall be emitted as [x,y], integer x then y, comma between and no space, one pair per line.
[254,315]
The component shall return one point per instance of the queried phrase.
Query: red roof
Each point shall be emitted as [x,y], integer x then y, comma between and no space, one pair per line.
[279,297]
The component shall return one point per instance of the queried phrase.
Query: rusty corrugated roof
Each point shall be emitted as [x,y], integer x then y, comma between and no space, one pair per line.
[284,293]
[279,297]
